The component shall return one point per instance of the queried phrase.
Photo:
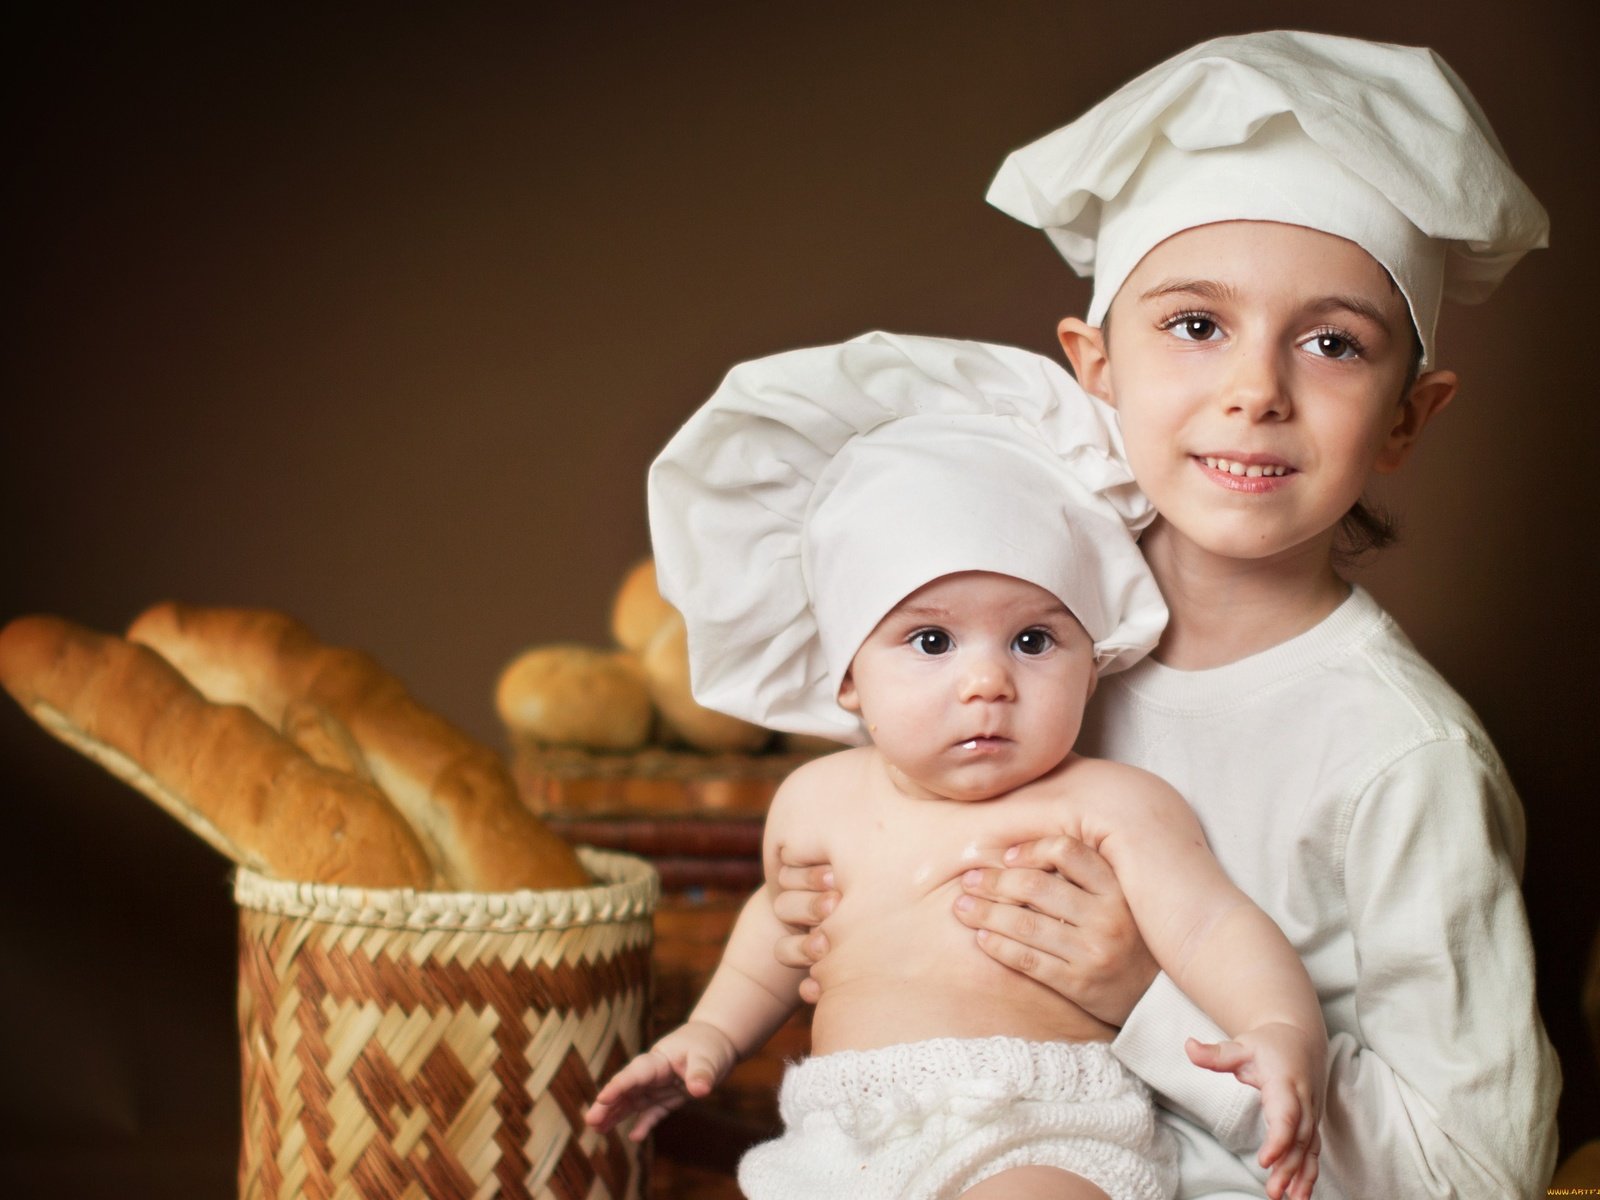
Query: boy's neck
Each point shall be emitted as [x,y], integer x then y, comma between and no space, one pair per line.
[1225,609]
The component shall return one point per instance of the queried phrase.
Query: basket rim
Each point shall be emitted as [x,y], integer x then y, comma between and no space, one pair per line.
[629,891]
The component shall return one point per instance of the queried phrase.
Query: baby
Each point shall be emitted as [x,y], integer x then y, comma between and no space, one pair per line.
[934,540]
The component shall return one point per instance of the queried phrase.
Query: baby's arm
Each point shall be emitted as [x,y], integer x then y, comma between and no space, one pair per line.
[750,994]
[1230,958]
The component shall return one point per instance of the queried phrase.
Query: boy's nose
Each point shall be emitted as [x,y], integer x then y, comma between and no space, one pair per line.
[1257,387]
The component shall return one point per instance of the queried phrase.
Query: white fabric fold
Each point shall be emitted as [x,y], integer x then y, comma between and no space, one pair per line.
[819,487]
[1377,143]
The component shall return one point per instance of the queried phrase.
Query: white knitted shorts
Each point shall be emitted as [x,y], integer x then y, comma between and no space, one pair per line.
[927,1120]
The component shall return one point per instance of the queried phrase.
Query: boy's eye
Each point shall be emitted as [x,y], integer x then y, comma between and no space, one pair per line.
[1193,327]
[1328,344]
[930,641]
[1033,641]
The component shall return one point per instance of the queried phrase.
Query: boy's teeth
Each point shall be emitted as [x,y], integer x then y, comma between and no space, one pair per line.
[1252,471]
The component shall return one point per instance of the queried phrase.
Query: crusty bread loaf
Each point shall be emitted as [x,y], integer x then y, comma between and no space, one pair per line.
[666,667]
[218,768]
[455,792]
[576,696]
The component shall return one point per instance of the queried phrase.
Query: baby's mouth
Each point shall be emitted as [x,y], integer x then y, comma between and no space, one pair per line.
[988,741]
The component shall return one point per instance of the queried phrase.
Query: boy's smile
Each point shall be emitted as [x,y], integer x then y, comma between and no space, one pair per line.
[1246,472]
[972,686]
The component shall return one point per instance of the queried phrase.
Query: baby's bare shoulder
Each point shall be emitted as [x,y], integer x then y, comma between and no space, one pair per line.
[1135,803]
[1104,772]
[819,785]
[828,770]
[1114,792]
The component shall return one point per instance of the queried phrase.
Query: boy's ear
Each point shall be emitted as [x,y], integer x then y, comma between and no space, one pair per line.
[1426,398]
[1086,351]
[848,699]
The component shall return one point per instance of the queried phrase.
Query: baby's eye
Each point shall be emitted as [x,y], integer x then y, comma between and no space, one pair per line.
[1329,344]
[1033,641]
[930,641]
[1193,327]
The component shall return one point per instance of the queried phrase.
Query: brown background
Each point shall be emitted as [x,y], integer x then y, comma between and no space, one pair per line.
[378,318]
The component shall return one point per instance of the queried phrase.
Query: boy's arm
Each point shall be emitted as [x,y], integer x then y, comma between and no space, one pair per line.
[1450,1089]
[1453,1077]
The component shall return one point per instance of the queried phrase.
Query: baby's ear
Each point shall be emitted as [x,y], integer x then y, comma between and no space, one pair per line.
[848,699]
[1426,398]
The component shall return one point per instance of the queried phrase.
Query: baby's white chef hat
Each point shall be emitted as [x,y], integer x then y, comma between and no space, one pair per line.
[818,488]
[1379,144]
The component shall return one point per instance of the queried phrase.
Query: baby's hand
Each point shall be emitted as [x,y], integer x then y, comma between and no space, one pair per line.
[1289,1067]
[688,1062]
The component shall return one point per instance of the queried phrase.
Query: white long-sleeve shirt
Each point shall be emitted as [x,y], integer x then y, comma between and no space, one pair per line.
[1356,798]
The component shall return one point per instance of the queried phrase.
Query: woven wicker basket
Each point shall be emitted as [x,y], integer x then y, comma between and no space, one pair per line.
[697,818]
[413,1044]
[568,779]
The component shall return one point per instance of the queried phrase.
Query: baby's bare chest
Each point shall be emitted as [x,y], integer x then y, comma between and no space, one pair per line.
[901,853]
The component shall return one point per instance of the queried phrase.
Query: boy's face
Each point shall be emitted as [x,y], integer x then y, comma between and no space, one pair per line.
[1258,372]
[973,685]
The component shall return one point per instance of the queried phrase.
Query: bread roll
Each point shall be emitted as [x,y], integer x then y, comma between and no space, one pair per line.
[576,696]
[666,668]
[219,769]
[638,610]
[455,792]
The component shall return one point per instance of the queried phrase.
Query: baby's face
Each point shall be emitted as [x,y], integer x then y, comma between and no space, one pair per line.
[972,685]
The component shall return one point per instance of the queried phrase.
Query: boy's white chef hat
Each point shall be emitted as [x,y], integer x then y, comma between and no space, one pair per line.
[818,488]
[1376,143]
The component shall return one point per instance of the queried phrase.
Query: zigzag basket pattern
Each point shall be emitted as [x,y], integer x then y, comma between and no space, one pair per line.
[400,1044]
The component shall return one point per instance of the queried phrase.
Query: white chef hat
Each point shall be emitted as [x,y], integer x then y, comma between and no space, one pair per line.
[817,489]
[1376,143]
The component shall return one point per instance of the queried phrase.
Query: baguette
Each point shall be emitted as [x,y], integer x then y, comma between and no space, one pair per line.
[242,787]
[455,792]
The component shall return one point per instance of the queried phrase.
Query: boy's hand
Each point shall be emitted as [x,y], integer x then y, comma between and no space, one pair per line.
[806,898]
[1290,1069]
[688,1062]
[1057,914]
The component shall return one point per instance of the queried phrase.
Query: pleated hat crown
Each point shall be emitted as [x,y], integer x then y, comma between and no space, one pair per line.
[1377,143]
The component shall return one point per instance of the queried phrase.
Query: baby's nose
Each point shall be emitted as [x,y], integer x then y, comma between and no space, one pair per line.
[987,678]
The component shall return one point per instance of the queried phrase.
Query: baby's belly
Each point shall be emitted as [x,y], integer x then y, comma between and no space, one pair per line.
[903,969]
